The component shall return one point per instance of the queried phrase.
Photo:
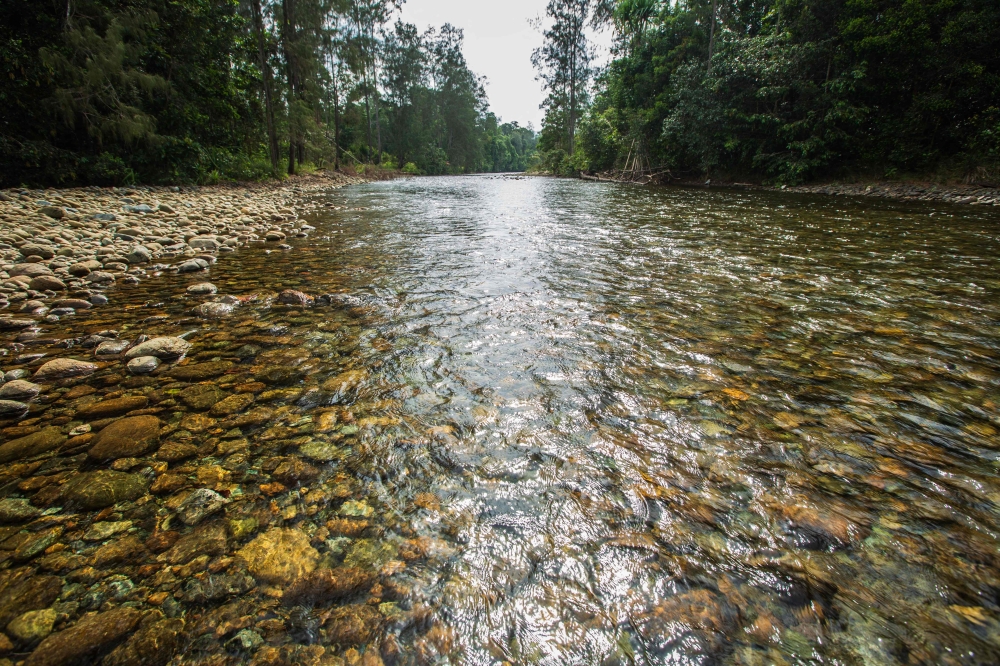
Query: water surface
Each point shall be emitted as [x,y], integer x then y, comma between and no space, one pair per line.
[596,424]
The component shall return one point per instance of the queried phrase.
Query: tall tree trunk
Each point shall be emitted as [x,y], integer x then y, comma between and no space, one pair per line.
[265,68]
[287,42]
[336,120]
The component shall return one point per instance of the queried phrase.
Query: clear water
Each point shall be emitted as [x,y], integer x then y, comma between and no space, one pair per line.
[602,424]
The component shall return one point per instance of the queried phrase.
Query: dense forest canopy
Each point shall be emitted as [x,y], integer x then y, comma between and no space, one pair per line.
[780,90]
[184,91]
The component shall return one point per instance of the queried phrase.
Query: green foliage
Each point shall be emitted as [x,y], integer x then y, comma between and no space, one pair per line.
[198,91]
[798,89]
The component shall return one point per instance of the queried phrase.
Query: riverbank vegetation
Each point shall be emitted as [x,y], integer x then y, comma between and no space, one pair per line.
[781,91]
[196,91]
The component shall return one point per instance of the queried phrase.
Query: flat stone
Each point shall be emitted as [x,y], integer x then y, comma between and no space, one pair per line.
[62,368]
[199,372]
[232,405]
[165,349]
[10,408]
[90,635]
[119,550]
[200,504]
[105,529]
[29,270]
[75,303]
[202,289]
[143,365]
[103,488]
[321,451]
[16,510]
[19,389]
[280,556]
[111,348]
[113,407]
[208,539]
[129,437]
[154,644]
[32,626]
[26,592]
[8,324]
[213,310]
[176,451]
[36,443]
[47,282]
[201,396]
[36,543]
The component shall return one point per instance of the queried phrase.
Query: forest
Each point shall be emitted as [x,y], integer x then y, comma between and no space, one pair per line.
[114,92]
[780,91]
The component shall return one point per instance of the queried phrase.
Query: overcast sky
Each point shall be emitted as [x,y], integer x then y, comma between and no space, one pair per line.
[498,44]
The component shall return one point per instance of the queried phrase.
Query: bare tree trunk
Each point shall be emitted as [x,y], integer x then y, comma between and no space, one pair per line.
[287,39]
[265,68]
[336,121]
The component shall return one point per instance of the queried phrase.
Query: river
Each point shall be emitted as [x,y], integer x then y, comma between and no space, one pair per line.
[582,423]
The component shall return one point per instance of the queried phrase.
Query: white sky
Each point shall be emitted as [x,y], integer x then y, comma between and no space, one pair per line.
[498,44]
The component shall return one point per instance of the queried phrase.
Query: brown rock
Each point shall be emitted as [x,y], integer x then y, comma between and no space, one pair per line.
[232,404]
[280,556]
[294,470]
[126,438]
[293,297]
[257,416]
[198,372]
[324,586]
[208,539]
[34,444]
[168,483]
[353,624]
[161,541]
[103,488]
[113,407]
[90,635]
[155,644]
[62,368]
[47,282]
[119,550]
[24,592]
[176,451]
[201,396]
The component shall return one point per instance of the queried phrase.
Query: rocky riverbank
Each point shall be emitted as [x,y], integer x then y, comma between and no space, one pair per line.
[64,250]
[958,194]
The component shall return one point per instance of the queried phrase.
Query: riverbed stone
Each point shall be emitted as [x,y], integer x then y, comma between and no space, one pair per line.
[113,407]
[12,408]
[17,510]
[63,368]
[24,590]
[47,283]
[89,636]
[154,644]
[165,349]
[202,289]
[36,443]
[111,348]
[143,365]
[32,626]
[198,505]
[126,438]
[29,270]
[280,556]
[201,396]
[213,310]
[232,405]
[294,297]
[103,488]
[199,372]
[19,390]
[207,539]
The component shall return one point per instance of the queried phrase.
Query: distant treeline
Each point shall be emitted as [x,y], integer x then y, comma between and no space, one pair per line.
[777,90]
[194,91]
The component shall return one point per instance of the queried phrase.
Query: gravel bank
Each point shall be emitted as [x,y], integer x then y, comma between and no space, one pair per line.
[61,250]
[976,196]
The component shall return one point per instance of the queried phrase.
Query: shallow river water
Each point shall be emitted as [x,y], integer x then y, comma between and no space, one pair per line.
[550,422]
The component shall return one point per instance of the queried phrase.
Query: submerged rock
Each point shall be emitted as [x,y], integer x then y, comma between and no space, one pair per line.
[89,636]
[165,349]
[113,407]
[9,408]
[103,488]
[62,368]
[143,365]
[32,626]
[14,510]
[19,389]
[293,297]
[280,556]
[34,444]
[202,289]
[197,372]
[154,644]
[126,438]
[199,504]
